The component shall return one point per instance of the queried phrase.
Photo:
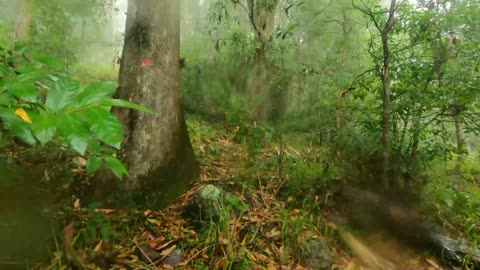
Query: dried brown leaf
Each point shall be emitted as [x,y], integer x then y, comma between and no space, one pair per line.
[274,233]
[98,247]
[167,251]
[271,267]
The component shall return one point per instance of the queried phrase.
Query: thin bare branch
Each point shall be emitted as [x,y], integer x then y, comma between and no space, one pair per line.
[391,16]
[252,18]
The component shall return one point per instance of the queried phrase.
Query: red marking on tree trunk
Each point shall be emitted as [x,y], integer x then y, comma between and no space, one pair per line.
[146,63]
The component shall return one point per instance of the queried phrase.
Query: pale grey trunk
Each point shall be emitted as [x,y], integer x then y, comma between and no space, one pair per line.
[23,21]
[157,148]
[386,117]
[461,147]
[262,19]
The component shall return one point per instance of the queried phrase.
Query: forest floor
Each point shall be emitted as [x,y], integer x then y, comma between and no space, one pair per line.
[274,219]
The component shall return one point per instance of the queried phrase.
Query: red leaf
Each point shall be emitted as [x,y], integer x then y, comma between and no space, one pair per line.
[146,63]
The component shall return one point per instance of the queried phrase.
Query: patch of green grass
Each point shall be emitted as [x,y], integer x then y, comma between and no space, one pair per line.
[454,197]
[293,233]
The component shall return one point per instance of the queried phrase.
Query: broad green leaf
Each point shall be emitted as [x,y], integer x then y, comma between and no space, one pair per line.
[31,77]
[48,60]
[61,94]
[5,99]
[75,132]
[24,67]
[44,127]
[97,146]
[25,91]
[116,166]
[94,164]
[105,126]
[126,104]
[22,131]
[8,114]
[94,93]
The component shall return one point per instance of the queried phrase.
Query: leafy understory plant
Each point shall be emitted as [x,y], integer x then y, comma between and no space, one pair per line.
[40,104]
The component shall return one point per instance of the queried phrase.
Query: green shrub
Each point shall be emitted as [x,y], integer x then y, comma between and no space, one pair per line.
[41,104]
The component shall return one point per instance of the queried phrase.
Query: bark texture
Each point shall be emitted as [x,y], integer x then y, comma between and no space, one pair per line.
[262,18]
[157,148]
[461,145]
[270,102]
[387,110]
[23,21]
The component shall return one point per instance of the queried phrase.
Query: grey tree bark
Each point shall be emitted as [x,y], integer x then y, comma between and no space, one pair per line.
[387,110]
[461,145]
[262,20]
[23,21]
[157,149]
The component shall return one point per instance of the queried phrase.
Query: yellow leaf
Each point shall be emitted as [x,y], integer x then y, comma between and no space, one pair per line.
[98,247]
[273,233]
[23,114]
[166,252]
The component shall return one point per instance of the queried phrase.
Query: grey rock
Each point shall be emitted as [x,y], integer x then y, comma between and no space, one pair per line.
[147,254]
[319,255]
[175,258]
[205,206]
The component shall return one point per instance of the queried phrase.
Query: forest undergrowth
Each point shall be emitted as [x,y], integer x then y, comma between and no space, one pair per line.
[279,214]
[326,134]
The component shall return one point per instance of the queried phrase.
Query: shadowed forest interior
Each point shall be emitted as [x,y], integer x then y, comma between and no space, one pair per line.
[239,134]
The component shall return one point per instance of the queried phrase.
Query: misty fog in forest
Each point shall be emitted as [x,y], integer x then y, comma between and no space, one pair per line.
[239,134]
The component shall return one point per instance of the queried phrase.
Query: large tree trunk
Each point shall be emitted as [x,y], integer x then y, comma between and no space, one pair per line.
[23,21]
[157,148]
[262,20]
